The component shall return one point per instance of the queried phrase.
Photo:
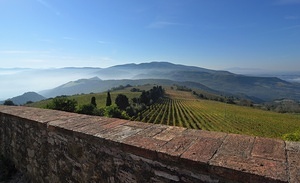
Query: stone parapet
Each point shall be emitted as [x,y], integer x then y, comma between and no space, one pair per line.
[56,146]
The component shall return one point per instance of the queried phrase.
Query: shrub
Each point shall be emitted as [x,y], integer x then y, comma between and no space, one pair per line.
[8,102]
[292,136]
[112,111]
[86,109]
[63,104]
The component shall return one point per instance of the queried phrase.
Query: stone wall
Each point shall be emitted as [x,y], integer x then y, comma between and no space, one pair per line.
[55,146]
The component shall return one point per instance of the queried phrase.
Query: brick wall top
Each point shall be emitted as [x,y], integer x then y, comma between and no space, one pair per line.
[239,156]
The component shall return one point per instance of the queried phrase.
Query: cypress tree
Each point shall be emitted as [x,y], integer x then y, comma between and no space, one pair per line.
[108,99]
[93,101]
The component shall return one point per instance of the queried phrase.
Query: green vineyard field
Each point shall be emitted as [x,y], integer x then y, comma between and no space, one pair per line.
[189,112]
[184,109]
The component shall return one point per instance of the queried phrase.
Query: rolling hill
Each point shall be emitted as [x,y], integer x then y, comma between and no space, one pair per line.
[165,73]
[26,97]
[96,85]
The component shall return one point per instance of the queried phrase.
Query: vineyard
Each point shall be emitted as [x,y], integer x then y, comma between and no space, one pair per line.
[182,109]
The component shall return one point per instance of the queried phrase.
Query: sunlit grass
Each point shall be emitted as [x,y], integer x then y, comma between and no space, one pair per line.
[86,98]
[181,110]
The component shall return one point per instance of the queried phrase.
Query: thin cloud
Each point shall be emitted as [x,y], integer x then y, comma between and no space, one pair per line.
[22,52]
[103,42]
[162,24]
[292,27]
[14,52]
[46,40]
[69,38]
[288,28]
[34,61]
[287,2]
[291,17]
[49,6]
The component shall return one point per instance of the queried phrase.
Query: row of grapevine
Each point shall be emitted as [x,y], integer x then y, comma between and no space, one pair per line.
[216,116]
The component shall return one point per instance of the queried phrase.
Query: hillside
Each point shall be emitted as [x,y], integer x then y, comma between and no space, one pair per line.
[97,85]
[265,88]
[26,97]
[68,81]
[165,73]
[181,108]
[86,98]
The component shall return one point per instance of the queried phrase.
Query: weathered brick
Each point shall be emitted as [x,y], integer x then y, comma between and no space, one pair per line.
[95,126]
[145,142]
[142,146]
[269,149]
[204,134]
[174,148]
[293,146]
[236,145]
[70,124]
[234,154]
[114,122]
[169,133]
[294,165]
[118,133]
[153,130]
[138,124]
[51,146]
[202,150]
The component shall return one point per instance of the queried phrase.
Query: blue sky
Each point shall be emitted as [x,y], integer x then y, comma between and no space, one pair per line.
[215,34]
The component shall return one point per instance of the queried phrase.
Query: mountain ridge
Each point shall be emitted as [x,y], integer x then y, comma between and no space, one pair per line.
[93,85]
[264,88]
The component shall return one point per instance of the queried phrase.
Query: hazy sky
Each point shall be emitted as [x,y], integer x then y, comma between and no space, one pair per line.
[214,34]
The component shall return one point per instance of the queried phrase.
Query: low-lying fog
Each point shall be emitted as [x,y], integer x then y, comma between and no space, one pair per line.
[15,82]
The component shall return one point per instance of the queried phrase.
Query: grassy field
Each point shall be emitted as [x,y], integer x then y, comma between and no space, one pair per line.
[183,109]
[86,99]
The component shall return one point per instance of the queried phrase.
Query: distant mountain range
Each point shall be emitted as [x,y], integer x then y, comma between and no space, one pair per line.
[291,76]
[69,81]
[165,73]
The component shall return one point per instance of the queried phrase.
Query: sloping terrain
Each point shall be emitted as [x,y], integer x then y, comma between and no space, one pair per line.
[97,85]
[70,81]
[164,73]
[265,88]
[26,97]
[181,108]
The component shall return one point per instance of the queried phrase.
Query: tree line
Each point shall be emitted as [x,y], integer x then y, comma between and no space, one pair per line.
[121,108]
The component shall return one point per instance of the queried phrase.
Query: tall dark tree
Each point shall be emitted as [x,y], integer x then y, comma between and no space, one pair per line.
[108,99]
[144,98]
[93,101]
[122,101]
